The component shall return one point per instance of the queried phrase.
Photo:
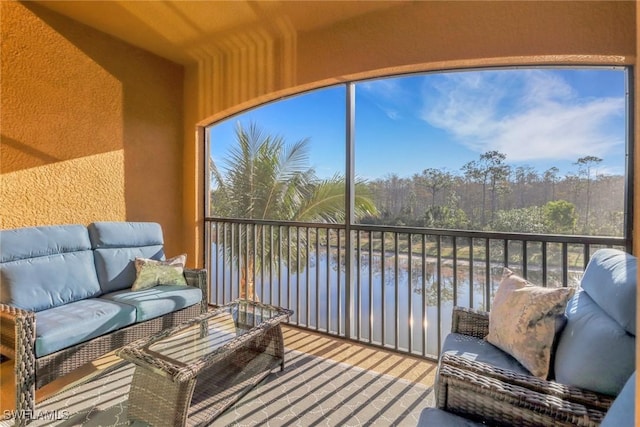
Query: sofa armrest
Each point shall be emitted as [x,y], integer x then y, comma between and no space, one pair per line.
[17,339]
[198,278]
[469,321]
[477,389]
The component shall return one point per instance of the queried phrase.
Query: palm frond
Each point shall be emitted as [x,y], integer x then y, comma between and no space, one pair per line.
[326,203]
[266,178]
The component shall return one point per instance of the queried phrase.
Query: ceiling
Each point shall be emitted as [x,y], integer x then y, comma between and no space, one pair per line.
[180,30]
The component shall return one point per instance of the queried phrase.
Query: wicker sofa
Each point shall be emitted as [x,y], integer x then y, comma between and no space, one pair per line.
[66,298]
[592,358]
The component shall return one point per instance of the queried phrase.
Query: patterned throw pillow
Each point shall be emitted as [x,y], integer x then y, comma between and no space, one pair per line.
[523,321]
[150,272]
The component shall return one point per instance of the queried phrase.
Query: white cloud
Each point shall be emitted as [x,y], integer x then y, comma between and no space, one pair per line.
[527,115]
[392,114]
[385,88]
[387,95]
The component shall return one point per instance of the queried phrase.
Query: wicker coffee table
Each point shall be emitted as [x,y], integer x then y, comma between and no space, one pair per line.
[189,374]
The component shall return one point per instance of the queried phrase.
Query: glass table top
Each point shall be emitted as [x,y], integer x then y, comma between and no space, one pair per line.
[212,332]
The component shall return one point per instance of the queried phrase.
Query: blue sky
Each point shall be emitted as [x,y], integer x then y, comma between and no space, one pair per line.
[540,117]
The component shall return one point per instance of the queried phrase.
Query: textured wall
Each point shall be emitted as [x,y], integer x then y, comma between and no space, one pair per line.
[444,34]
[91,126]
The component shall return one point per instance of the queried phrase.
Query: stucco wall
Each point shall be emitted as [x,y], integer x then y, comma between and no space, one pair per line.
[91,126]
[444,34]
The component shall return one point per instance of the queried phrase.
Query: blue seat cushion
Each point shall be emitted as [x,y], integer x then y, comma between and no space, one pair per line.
[434,417]
[157,301]
[594,351]
[117,244]
[610,280]
[79,321]
[482,351]
[45,267]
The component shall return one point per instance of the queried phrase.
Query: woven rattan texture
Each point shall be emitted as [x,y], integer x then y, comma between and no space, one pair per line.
[167,392]
[480,391]
[17,335]
[470,322]
[158,400]
[20,329]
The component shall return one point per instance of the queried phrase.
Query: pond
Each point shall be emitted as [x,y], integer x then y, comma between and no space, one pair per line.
[392,304]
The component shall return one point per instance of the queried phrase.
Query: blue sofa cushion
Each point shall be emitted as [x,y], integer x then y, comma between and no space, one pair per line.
[79,321]
[610,280]
[482,351]
[594,352]
[125,234]
[45,267]
[157,301]
[117,244]
[34,242]
[622,412]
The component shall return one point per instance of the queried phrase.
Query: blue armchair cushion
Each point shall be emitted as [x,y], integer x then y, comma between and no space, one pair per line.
[594,352]
[157,301]
[482,351]
[434,417]
[45,267]
[117,245]
[67,325]
[622,412]
[610,280]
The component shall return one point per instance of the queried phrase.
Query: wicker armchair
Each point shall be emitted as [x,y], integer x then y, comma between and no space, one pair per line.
[590,356]
[502,397]
[621,413]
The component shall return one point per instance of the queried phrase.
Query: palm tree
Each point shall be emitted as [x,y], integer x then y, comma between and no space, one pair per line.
[266,178]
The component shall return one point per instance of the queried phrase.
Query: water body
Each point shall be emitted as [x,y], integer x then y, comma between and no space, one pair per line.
[395,310]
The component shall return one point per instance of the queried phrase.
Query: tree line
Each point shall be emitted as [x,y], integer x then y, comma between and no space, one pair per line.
[489,194]
[263,177]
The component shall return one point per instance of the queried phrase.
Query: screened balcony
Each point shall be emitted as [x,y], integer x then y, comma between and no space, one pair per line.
[372,208]
[98,98]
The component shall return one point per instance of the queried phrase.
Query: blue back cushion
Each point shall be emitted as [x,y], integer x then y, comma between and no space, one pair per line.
[610,280]
[117,244]
[596,350]
[45,267]
[622,412]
